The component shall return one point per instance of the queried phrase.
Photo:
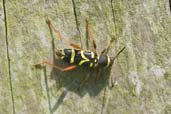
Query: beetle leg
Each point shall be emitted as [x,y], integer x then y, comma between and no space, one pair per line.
[98,73]
[72,67]
[107,48]
[57,67]
[89,35]
[84,80]
[48,21]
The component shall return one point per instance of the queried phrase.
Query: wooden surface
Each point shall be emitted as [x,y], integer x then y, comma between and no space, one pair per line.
[141,74]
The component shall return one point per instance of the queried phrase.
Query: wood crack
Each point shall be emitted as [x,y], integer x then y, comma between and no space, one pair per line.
[170,5]
[8,57]
[105,102]
[106,96]
[114,17]
[76,20]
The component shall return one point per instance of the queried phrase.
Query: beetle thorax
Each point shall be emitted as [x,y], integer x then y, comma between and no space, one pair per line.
[104,61]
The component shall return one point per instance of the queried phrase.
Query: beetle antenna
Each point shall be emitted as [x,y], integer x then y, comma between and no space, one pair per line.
[113,58]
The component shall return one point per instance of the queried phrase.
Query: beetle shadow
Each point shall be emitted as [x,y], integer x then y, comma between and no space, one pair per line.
[70,80]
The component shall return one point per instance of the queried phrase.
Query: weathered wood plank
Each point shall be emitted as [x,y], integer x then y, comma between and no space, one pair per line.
[26,33]
[5,89]
[141,73]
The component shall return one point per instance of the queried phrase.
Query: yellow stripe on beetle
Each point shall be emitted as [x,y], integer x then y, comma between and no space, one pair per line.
[92,55]
[108,61]
[63,54]
[72,56]
[91,65]
[85,59]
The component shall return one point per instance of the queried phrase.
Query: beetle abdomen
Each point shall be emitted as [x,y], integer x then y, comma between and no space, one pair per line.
[79,57]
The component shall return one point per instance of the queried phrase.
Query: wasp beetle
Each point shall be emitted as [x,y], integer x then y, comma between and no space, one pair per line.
[77,56]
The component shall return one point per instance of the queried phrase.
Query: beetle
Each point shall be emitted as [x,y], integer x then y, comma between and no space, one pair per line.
[76,56]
